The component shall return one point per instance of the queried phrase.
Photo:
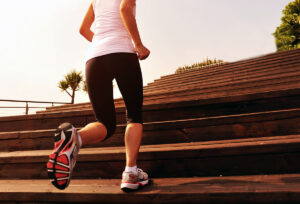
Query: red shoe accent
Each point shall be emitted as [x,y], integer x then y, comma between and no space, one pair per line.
[63,159]
[52,156]
[50,165]
[58,175]
[62,182]
[56,145]
[60,168]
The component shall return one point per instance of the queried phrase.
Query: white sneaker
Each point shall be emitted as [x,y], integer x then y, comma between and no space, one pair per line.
[132,181]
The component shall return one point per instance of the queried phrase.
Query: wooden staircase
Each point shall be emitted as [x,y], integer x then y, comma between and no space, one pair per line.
[224,134]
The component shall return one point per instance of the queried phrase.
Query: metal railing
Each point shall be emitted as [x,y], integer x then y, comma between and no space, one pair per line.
[27,107]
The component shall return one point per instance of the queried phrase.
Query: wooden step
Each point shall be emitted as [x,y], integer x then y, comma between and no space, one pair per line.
[269,57]
[221,79]
[276,100]
[277,95]
[201,93]
[229,89]
[212,74]
[267,155]
[272,58]
[280,188]
[249,84]
[248,125]
[181,94]
[161,112]
[218,77]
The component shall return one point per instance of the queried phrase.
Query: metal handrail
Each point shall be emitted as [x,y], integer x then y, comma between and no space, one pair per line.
[52,102]
[27,104]
[4,107]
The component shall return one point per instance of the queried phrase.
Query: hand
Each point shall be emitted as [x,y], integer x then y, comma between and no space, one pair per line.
[142,52]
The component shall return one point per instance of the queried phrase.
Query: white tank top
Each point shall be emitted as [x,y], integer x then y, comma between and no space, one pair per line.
[110,34]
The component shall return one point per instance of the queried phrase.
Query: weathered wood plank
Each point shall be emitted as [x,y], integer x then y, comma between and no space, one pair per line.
[229,157]
[234,189]
[268,123]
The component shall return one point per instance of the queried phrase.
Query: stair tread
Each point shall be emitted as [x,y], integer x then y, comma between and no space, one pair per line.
[200,188]
[181,185]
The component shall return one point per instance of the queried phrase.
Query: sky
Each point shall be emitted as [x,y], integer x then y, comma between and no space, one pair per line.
[40,40]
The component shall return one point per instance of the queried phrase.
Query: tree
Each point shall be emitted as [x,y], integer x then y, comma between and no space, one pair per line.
[198,65]
[72,82]
[84,88]
[287,35]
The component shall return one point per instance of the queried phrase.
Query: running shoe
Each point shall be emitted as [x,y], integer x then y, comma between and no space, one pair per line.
[62,160]
[132,181]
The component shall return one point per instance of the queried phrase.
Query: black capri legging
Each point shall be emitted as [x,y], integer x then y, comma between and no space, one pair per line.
[100,72]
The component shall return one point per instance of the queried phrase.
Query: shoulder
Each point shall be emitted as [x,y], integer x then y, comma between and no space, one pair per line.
[128,3]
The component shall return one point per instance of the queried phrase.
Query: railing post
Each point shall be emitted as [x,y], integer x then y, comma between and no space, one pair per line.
[27,108]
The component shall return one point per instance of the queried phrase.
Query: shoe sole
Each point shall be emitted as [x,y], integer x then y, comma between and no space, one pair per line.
[127,187]
[58,166]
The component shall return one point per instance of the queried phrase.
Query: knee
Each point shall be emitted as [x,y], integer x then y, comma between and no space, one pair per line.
[134,116]
[135,126]
[135,119]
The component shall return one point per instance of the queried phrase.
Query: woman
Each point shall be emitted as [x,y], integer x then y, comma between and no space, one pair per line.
[114,54]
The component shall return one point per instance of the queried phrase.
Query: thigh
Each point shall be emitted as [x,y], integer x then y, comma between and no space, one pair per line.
[100,90]
[130,82]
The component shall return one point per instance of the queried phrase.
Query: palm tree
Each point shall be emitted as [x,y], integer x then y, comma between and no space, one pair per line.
[73,82]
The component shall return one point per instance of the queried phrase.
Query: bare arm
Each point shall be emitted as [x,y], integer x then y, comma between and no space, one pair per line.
[126,10]
[85,28]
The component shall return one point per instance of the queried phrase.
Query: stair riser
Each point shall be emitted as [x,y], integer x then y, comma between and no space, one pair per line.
[190,167]
[47,122]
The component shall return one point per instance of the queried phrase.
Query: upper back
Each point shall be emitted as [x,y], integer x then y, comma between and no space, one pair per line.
[103,6]
[106,7]
[110,34]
